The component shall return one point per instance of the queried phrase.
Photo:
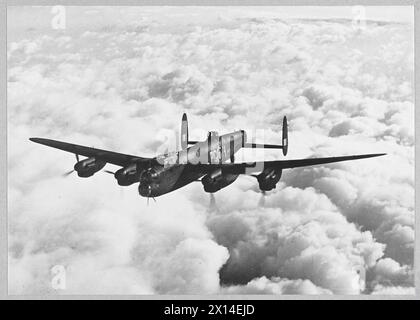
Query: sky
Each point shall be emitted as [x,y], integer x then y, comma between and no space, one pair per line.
[120,79]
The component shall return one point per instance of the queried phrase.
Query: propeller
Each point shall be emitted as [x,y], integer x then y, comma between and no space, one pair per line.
[263,193]
[148,200]
[66,174]
[148,196]
[262,199]
[212,205]
[212,200]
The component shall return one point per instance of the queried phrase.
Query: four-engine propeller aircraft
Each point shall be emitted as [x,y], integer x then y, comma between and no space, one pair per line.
[211,161]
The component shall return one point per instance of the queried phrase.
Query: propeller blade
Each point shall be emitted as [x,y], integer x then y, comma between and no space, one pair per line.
[110,172]
[212,208]
[66,174]
[77,157]
[212,200]
[262,199]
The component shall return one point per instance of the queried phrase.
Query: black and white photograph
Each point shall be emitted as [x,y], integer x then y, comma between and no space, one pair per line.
[210,150]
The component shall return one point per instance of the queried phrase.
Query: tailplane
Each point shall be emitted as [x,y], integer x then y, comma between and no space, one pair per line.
[285,141]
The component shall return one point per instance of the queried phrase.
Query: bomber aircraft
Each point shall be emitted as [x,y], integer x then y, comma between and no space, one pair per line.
[211,161]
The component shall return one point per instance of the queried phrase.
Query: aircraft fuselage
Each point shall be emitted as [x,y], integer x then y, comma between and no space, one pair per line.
[168,173]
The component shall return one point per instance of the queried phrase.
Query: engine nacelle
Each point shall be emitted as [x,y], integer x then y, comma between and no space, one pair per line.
[127,175]
[88,167]
[217,180]
[268,179]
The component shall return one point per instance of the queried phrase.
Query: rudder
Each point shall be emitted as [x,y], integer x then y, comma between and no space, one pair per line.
[184,132]
[285,139]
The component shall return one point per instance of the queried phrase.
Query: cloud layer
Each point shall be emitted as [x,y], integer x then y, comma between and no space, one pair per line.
[122,83]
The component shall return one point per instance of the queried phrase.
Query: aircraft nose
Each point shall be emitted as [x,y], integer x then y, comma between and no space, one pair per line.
[149,184]
[147,189]
[143,188]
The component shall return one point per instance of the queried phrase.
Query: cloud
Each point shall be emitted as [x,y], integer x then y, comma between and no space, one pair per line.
[103,243]
[276,286]
[123,83]
[303,238]
[380,290]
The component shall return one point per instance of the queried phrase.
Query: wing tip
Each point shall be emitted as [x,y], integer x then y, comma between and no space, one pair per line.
[366,156]
[40,140]
[47,142]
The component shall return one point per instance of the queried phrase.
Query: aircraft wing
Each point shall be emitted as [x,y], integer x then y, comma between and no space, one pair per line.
[288,164]
[252,167]
[118,159]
